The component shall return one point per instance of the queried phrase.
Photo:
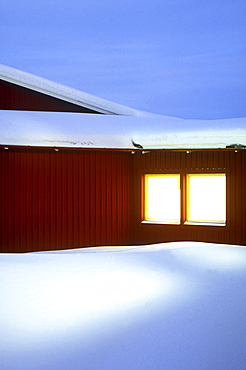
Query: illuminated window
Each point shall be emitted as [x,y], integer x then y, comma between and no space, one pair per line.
[206,198]
[200,200]
[162,198]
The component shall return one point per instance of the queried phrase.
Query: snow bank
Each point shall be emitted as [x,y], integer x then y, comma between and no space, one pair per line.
[166,306]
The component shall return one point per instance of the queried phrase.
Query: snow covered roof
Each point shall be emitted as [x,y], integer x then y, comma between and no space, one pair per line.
[77,130]
[118,127]
[65,93]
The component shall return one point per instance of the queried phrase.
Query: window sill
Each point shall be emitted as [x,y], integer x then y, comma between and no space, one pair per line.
[153,222]
[186,223]
[201,223]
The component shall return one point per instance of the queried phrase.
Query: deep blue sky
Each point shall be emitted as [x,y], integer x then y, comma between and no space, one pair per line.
[184,58]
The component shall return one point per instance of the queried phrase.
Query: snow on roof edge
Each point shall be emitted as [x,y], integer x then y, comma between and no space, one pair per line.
[63,92]
[73,130]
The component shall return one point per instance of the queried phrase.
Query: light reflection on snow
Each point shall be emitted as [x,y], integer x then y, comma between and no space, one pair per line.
[121,309]
[52,302]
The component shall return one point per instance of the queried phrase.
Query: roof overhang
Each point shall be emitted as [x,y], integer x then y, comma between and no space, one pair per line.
[64,93]
[89,131]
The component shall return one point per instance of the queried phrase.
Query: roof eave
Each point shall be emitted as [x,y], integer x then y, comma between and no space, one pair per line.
[64,93]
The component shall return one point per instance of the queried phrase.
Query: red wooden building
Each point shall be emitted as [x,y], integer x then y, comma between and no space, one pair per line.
[76,171]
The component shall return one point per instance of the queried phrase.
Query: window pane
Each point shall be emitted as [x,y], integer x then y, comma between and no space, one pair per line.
[162,198]
[206,198]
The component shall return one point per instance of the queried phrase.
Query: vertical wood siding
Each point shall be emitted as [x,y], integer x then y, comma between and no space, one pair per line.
[65,199]
[233,162]
[13,97]
[78,198]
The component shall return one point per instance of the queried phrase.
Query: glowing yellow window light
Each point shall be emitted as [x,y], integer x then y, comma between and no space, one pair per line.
[162,198]
[206,198]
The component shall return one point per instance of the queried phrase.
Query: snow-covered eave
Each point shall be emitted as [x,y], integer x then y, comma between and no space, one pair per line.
[65,93]
[126,150]
[93,131]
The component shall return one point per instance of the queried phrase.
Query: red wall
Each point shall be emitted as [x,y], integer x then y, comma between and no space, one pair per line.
[64,199]
[13,97]
[77,198]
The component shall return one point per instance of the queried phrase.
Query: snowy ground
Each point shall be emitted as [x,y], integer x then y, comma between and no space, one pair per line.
[167,306]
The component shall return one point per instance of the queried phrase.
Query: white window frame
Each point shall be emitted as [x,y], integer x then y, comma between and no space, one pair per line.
[183,218]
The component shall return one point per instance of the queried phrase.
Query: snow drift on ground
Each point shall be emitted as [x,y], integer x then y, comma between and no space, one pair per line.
[166,306]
